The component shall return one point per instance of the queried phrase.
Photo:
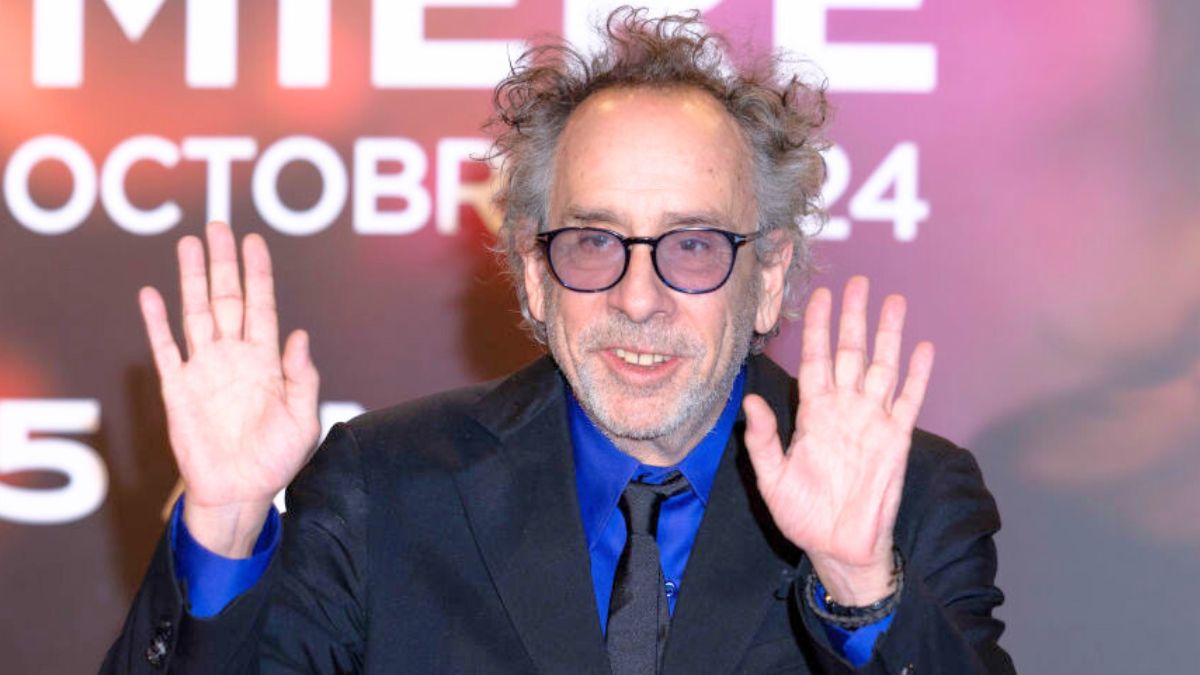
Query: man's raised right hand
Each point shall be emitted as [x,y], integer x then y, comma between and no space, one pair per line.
[241,419]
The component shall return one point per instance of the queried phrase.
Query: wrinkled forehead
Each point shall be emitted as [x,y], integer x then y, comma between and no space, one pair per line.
[645,149]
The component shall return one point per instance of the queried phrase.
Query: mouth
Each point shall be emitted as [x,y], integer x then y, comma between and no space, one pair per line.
[635,358]
[641,369]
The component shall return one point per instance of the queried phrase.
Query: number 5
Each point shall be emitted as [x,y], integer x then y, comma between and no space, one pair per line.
[87,478]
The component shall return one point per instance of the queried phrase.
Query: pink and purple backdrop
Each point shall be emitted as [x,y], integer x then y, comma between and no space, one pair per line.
[1024,170]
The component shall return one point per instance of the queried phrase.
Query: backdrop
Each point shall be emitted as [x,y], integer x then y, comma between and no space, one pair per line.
[1024,170]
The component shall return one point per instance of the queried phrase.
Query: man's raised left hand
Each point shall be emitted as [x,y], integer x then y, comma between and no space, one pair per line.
[835,492]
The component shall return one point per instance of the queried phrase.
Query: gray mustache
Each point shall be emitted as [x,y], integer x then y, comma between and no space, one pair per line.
[652,336]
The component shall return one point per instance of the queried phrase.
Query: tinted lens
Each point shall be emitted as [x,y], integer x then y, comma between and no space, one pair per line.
[586,259]
[695,260]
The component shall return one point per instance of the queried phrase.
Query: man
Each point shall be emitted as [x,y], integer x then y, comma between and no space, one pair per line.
[625,505]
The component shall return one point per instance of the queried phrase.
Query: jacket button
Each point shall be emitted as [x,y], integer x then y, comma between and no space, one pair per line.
[907,670]
[156,652]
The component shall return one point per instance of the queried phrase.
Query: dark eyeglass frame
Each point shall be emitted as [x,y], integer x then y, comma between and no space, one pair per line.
[735,241]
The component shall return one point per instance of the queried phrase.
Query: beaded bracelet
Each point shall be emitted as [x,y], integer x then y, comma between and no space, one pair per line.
[856,617]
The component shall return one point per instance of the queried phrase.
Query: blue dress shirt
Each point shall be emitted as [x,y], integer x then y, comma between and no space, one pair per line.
[211,582]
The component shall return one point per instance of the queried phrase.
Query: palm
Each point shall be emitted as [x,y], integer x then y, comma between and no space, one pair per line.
[825,496]
[242,419]
[836,490]
[228,401]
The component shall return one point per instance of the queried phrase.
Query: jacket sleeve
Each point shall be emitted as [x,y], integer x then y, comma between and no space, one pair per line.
[944,622]
[307,612]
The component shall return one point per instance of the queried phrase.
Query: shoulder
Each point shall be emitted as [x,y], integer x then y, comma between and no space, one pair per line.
[427,415]
[443,429]
[945,502]
[935,462]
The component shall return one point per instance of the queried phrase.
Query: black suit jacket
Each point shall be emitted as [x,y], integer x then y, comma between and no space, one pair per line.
[444,535]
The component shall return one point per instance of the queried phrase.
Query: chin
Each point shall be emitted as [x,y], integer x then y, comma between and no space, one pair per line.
[652,415]
[637,424]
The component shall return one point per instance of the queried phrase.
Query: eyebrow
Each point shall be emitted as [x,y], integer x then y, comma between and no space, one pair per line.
[588,216]
[697,219]
[672,219]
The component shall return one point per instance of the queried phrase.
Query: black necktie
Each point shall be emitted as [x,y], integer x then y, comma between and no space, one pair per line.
[638,616]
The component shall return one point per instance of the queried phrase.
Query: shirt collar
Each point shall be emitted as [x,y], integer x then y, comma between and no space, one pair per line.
[602,471]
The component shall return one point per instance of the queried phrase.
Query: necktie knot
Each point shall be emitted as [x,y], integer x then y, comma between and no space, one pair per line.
[640,502]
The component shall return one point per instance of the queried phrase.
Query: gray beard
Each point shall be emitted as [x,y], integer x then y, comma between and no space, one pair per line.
[699,400]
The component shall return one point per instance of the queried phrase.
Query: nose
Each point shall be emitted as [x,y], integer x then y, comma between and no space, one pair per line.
[641,295]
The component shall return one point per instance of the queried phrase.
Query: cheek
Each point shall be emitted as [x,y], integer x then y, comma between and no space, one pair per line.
[735,315]
[715,323]
[566,315]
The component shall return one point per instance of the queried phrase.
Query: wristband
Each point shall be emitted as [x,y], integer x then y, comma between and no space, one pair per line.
[856,617]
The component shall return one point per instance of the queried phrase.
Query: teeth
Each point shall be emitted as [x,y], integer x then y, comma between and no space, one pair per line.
[637,359]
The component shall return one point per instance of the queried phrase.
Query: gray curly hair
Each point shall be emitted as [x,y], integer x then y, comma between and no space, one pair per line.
[780,116]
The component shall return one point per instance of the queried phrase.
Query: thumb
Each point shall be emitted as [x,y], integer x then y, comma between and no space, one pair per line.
[300,376]
[762,439]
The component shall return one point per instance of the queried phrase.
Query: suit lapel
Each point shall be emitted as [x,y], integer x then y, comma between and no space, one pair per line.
[740,562]
[519,495]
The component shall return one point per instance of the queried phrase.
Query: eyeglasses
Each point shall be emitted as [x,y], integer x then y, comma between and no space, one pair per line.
[689,260]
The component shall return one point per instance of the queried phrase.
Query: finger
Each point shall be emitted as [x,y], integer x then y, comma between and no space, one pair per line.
[912,395]
[226,287]
[262,320]
[851,359]
[193,288]
[816,369]
[300,376]
[762,440]
[881,377]
[158,329]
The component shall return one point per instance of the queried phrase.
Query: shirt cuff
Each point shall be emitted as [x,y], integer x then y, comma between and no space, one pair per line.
[855,645]
[210,581]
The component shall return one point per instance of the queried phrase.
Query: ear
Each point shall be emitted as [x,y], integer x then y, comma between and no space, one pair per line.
[772,279]
[535,287]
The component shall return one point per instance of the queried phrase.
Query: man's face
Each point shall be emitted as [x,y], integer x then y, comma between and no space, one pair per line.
[645,361]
